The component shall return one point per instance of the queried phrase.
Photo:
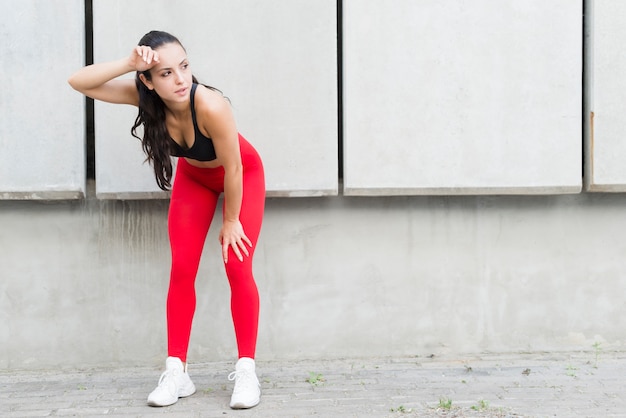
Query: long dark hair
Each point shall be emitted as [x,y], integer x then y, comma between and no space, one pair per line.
[156,142]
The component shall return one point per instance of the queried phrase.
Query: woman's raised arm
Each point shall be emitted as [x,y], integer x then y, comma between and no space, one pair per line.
[99,81]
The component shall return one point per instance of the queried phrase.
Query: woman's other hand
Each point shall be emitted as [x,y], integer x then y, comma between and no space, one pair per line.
[232,234]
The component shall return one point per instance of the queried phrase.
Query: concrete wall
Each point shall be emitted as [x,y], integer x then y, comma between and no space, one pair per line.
[41,121]
[264,56]
[456,97]
[605,103]
[84,282]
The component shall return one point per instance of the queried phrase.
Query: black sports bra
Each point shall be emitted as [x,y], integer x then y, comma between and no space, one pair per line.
[202,148]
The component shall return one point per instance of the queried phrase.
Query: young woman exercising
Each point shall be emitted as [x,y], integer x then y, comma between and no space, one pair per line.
[194,122]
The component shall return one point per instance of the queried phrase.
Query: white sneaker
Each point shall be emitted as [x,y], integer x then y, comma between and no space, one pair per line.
[247,392]
[173,384]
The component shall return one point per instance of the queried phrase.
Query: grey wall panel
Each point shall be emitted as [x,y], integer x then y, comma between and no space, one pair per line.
[462,97]
[42,123]
[121,172]
[276,61]
[606,96]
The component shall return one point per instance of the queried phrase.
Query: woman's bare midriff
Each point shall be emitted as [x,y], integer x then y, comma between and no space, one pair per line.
[204,164]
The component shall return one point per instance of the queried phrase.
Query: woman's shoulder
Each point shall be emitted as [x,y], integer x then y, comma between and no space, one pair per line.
[210,100]
[209,92]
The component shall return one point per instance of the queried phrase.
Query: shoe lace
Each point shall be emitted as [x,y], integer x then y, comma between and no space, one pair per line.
[244,380]
[166,376]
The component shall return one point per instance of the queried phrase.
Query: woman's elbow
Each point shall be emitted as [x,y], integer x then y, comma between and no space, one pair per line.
[73,82]
[233,169]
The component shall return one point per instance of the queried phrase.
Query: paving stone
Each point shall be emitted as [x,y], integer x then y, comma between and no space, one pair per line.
[493,385]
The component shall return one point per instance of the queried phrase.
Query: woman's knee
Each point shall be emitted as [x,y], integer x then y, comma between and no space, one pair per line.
[183,273]
[238,272]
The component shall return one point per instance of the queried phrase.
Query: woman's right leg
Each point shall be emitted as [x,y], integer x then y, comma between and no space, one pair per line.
[191,211]
[192,207]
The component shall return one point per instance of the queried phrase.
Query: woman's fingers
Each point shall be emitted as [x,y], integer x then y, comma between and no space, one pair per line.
[147,57]
[233,235]
[242,244]
[238,246]
[225,252]
[237,252]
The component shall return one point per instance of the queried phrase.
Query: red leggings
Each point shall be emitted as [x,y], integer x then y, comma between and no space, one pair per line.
[194,198]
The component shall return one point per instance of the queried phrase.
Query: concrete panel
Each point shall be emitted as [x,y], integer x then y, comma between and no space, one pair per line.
[277,63]
[42,120]
[462,97]
[441,275]
[605,96]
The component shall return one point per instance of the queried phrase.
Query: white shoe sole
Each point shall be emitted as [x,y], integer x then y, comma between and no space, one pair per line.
[241,405]
[190,391]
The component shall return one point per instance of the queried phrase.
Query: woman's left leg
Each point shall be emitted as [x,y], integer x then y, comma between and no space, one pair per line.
[244,292]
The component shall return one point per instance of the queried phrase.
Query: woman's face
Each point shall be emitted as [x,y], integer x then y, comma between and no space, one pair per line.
[171,76]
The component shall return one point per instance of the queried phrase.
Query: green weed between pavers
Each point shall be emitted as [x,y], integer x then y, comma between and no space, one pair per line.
[445,403]
[315,379]
[445,408]
[482,405]
[401,409]
[597,346]
[571,370]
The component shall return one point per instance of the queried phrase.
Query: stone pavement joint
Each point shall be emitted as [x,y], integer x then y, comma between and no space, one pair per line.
[488,385]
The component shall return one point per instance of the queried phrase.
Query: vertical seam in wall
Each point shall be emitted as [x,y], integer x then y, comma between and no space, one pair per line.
[340,93]
[89,103]
[587,91]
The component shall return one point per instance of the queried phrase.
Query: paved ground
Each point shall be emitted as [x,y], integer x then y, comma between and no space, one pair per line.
[522,385]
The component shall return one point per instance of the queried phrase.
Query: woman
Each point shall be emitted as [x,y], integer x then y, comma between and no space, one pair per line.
[195,122]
